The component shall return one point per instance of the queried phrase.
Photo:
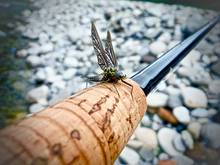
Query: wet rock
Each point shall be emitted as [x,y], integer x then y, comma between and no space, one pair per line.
[69,73]
[163,156]
[187,139]
[40,75]
[157,47]
[152,21]
[191,58]
[194,128]
[214,87]
[135,144]
[174,101]
[34,60]
[215,68]
[153,33]
[157,99]
[34,108]
[199,112]
[45,48]
[38,95]
[165,37]
[165,138]
[70,62]
[146,154]
[182,114]
[146,121]
[22,53]
[194,97]
[147,136]
[156,126]
[178,143]
[211,133]
[128,155]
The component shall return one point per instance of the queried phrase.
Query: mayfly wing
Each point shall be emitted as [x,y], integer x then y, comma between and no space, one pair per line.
[103,60]
[110,51]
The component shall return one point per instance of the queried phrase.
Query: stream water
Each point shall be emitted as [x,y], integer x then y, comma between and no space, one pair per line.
[13,71]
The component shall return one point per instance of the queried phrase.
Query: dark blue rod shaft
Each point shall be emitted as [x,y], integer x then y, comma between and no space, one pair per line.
[151,75]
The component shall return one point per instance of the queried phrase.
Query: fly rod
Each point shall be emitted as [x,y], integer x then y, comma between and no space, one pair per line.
[150,76]
[92,126]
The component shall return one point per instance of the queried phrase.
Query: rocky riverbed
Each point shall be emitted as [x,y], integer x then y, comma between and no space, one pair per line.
[182,122]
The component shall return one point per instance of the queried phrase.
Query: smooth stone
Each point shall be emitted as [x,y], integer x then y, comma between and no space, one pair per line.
[157,11]
[146,121]
[214,86]
[152,21]
[161,86]
[199,112]
[38,94]
[187,139]
[40,75]
[212,112]
[178,143]
[69,73]
[34,60]
[211,133]
[135,144]
[157,47]
[165,138]
[155,160]
[147,136]
[157,119]
[215,68]
[156,126]
[173,91]
[165,37]
[194,128]
[70,62]
[203,120]
[22,53]
[191,58]
[60,84]
[182,114]
[117,162]
[128,155]
[163,156]
[174,101]
[157,99]
[194,97]
[34,108]
[146,154]
[153,33]
[48,47]
[183,160]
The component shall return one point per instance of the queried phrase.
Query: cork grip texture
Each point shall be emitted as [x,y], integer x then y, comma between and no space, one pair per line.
[90,127]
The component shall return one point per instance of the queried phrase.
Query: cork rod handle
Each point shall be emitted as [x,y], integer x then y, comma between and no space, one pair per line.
[90,127]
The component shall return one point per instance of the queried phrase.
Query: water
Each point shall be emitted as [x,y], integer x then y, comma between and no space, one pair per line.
[13,71]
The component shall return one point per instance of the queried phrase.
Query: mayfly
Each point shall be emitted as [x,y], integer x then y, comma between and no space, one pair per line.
[106,60]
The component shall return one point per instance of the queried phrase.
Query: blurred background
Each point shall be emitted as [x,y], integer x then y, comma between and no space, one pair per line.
[46,53]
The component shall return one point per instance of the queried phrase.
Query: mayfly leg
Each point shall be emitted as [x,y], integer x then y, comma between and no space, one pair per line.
[130,86]
[111,89]
[116,90]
